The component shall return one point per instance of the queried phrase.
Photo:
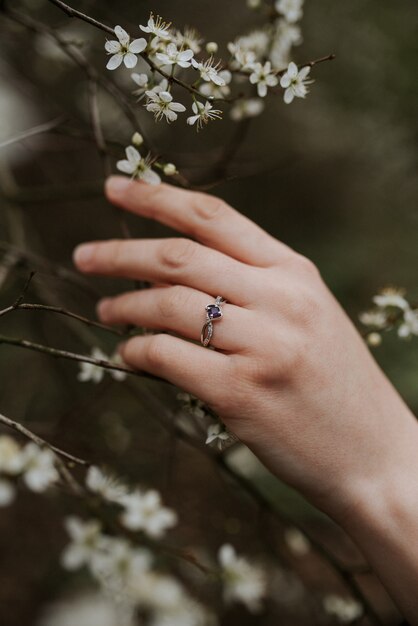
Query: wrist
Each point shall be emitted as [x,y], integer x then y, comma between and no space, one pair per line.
[381,516]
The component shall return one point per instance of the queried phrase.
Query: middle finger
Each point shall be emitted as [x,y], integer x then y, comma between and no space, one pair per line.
[174,261]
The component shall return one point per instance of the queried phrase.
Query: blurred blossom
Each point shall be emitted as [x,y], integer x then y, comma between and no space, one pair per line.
[92,609]
[243,582]
[145,511]
[7,492]
[346,610]
[246,108]
[291,9]
[11,461]
[85,540]
[107,486]
[39,470]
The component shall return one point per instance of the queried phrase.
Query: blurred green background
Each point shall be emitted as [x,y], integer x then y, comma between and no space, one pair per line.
[334,176]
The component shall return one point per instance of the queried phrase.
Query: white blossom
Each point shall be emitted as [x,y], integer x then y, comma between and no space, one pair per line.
[242,59]
[391,297]
[161,104]
[11,460]
[173,56]
[255,43]
[85,538]
[243,582]
[263,77]
[295,82]
[189,38]
[217,432]
[376,318]
[118,375]
[209,71]
[115,562]
[409,325]
[142,81]
[346,610]
[243,109]
[138,167]
[213,90]
[285,37]
[124,49]
[39,470]
[291,9]
[107,486]
[203,113]
[145,511]
[91,371]
[7,492]
[157,27]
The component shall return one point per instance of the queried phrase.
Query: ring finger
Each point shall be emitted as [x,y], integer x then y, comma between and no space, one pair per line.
[180,310]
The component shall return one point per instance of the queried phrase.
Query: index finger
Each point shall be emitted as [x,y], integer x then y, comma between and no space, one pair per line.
[206,218]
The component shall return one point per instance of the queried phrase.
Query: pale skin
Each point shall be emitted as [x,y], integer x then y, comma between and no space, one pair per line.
[290,375]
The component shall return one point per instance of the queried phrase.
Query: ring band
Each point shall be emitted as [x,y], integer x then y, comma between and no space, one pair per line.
[213,312]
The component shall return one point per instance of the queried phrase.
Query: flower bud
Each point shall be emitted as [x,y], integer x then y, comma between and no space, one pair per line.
[169,169]
[374,339]
[253,4]
[137,139]
[211,47]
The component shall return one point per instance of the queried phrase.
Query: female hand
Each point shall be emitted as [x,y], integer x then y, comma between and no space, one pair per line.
[290,375]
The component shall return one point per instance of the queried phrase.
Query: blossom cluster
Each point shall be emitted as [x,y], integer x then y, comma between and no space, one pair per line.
[391,311]
[259,63]
[127,571]
[30,464]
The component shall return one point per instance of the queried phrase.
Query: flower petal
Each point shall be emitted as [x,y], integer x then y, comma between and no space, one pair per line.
[122,35]
[114,61]
[113,47]
[138,45]
[133,155]
[125,167]
[292,70]
[288,96]
[130,60]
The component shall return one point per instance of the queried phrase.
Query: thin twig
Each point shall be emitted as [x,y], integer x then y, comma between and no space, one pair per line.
[39,441]
[35,130]
[72,356]
[60,310]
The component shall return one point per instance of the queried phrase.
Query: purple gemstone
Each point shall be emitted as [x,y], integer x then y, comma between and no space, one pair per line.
[213,311]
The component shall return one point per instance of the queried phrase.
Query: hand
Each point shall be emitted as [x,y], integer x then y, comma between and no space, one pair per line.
[290,376]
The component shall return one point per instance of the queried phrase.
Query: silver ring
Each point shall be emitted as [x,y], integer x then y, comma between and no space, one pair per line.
[213,312]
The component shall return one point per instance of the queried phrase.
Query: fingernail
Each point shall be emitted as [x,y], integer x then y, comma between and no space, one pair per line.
[102,306]
[117,185]
[83,254]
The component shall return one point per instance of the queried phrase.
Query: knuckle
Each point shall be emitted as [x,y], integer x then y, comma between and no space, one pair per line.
[177,253]
[209,207]
[305,266]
